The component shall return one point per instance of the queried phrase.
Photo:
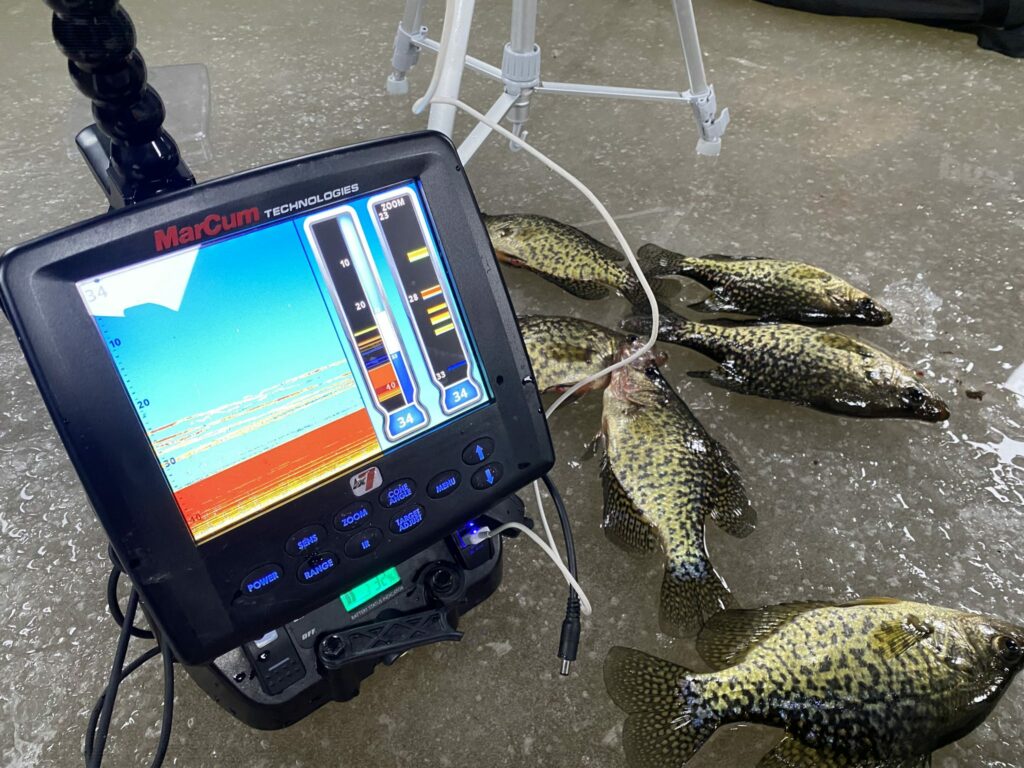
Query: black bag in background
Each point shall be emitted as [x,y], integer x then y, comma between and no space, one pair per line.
[999,24]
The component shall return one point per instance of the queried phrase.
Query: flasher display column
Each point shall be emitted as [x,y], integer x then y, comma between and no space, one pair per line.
[411,252]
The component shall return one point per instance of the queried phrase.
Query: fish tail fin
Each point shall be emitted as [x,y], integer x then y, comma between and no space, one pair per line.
[673,327]
[657,733]
[690,596]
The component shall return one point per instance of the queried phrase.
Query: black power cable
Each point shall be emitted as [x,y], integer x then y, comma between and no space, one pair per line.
[102,711]
[569,641]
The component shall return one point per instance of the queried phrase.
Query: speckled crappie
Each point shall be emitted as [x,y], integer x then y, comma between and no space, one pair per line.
[564,350]
[768,289]
[875,683]
[662,475]
[563,255]
[809,366]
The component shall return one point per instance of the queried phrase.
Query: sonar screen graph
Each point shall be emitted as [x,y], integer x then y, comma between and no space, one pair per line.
[264,364]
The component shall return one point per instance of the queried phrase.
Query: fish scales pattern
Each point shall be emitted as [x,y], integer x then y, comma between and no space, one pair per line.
[828,680]
[809,366]
[873,683]
[573,260]
[564,350]
[672,472]
[769,289]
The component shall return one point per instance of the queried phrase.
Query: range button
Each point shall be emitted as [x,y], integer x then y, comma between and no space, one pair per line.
[478,451]
[318,566]
[262,579]
[443,484]
[487,476]
[306,540]
[364,543]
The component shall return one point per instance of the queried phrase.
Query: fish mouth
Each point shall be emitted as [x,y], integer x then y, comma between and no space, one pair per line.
[934,412]
[508,258]
[869,313]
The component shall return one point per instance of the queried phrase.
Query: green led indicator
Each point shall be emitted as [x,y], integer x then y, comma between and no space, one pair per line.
[370,589]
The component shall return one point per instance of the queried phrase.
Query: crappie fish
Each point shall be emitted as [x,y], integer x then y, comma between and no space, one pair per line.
[768,289]
[808,366]
[563,255]
[662,475]
[564,350]
[875,683]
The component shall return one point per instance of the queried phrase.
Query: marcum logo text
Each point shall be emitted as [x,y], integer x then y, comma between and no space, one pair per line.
[213,225]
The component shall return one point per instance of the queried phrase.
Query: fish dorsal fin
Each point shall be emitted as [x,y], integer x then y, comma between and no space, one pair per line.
[729,257]
[727,637]
[894,638]
[624,524]
[846,344]
[581,289]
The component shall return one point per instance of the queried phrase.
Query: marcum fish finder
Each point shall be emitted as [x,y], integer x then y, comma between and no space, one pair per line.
[296,397]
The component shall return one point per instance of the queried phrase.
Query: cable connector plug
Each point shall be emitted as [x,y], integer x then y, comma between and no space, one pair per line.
[569,642]
[479,536]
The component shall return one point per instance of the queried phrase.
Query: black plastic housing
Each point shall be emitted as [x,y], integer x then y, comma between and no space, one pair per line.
[193,592]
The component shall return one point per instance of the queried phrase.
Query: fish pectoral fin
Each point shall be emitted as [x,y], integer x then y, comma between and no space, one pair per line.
[593,445]
[846,344]
[581,289]
[657,733]
[720,377]
[624,524]
[691,594]
[732,510]
[790,753]
[729,636]
[713,303]
[894,638]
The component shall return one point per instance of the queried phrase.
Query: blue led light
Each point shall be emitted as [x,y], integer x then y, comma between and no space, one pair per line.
[262,582]
[399,493]
[409,520]
[355,517]
[316,570]
[445,485]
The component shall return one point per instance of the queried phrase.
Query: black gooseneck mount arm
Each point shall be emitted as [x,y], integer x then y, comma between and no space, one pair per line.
[131,155]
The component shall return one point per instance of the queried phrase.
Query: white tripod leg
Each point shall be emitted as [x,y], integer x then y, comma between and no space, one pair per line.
[406,53]
[705,108]
[451,59]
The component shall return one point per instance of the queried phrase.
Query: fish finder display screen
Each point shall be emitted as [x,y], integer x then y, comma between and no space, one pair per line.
[263,364]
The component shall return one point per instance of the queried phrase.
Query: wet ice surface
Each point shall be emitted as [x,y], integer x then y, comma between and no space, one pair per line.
[885,153]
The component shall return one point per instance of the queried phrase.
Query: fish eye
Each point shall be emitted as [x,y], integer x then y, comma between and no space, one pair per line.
[632,338]
[913,397]
[505,232]
[865,305]
[1008,648]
